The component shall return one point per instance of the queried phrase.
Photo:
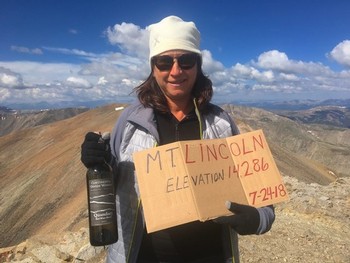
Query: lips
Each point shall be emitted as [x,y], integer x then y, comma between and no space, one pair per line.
[176,83]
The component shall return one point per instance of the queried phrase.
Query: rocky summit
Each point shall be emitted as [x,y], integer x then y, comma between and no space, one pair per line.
[43,205]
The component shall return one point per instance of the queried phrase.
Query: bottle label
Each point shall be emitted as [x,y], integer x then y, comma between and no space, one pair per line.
[102,202]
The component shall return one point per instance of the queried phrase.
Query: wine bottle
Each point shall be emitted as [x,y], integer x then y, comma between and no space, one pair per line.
[101,203]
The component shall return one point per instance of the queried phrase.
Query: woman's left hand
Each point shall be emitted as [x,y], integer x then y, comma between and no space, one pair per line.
[245,221]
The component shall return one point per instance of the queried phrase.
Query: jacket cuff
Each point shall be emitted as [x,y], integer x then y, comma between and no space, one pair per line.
[267,217]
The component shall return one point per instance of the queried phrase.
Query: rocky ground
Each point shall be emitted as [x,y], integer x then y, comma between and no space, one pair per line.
[314,226]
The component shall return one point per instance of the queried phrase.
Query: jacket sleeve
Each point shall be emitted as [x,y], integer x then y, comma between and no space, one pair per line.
[234,128]
[267,213]
[117,134]
[267,217]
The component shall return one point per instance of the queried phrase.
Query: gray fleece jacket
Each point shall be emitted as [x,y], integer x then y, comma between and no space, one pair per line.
[136,130]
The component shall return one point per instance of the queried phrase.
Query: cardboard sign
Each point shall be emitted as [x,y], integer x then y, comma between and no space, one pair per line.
[190,180]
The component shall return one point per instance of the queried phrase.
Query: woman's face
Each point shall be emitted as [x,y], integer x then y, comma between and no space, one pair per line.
[176,80]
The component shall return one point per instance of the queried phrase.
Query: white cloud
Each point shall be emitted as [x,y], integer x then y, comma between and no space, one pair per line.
[242,70]
[273,60]
[341,53]
[39,73]
[120,73]
[35,51]
[279,61]
[274,74]
[130,38]
[10,79]
[74,52]
[288,77]
[209,64]
[114,75]
[5,94]
[73,31]
[248,72]
[102,81]
[76,82]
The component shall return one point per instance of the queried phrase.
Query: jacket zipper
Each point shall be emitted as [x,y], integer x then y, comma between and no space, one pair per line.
[177,137]
[156,144]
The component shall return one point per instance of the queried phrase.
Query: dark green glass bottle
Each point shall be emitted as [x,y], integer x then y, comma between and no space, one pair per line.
[101,203]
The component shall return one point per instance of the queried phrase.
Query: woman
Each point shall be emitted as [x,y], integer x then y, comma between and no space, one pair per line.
[173,104]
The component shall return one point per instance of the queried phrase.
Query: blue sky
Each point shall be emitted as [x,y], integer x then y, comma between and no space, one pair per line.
[77,50]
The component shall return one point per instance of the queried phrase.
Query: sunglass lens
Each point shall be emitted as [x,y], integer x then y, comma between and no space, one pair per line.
[164,62]
[187,61]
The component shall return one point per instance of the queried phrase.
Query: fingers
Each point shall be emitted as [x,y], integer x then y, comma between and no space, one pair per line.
[92,136]
[237,208]
[92,150]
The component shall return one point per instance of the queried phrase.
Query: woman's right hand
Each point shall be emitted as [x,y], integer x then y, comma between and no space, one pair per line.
[95,150]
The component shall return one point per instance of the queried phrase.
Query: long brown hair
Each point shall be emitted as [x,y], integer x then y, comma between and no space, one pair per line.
[150,94]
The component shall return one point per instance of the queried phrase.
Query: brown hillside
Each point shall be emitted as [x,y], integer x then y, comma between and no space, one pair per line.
[43,181]
[311,153]
[18,120]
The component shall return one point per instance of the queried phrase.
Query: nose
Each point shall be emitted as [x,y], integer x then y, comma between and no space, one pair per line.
[176,69]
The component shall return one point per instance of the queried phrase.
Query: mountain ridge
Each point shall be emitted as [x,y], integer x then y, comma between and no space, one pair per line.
[12,120]
[43,181]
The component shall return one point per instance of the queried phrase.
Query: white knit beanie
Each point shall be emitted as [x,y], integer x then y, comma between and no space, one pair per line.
[173,33]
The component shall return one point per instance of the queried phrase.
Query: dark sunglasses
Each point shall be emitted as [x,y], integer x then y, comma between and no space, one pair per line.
[185,61]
